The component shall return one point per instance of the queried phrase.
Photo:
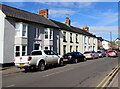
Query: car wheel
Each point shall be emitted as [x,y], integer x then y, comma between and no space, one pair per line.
[61,63]
[84,59]
[41,66]
[27,69]
[76,60]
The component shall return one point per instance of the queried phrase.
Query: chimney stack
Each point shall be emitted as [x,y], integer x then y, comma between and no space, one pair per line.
[43,12]
[86,28]
[67,21]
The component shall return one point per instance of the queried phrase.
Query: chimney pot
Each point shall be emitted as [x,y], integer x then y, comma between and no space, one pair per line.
[67,21]
[86,28]
[43,12]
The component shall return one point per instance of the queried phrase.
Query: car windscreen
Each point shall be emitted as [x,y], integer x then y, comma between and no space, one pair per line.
[99,52]
[87,52]
[36,53]
[110,51]
[68,54]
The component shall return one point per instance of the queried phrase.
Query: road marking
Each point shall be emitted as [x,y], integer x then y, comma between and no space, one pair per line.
[10,86]
[57,72]
[108,77]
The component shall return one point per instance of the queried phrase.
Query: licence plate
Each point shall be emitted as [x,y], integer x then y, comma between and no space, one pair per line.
[65,59]
[22,64]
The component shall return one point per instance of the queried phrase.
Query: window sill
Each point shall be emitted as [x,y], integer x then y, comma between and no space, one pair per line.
[71,42]
[64,41]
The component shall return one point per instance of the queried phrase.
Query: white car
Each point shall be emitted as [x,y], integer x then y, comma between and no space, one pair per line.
[91,54]
[38,59]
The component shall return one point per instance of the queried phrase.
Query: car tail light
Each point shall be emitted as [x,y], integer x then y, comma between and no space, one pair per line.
[69,56]
[90,54]
[29,58]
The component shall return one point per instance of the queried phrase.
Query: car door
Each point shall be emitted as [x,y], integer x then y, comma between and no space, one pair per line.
[81,57]
[48,56]
[93,53]
[55,57]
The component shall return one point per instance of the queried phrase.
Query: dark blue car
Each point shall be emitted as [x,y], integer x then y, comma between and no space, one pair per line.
[74,57]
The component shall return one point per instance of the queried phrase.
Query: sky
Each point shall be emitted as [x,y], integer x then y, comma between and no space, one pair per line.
[100,17]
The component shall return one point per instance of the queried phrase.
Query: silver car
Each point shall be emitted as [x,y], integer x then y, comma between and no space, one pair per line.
[91,54]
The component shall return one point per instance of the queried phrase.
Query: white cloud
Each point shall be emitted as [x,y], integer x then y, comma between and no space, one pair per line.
[104,29]
[60,12]
[103,18]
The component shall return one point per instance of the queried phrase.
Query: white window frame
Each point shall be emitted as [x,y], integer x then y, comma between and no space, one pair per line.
[21,29]
[20,50]
[26,30]
[50,34]
[64,36]
[37,33]
[47,33]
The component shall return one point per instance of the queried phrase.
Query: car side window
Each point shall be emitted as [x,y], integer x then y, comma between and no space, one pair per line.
[47,52]
[52,53]
[36,53]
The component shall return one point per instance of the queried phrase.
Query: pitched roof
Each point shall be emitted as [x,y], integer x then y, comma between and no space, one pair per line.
[100,38]
[73,29]
[27,16]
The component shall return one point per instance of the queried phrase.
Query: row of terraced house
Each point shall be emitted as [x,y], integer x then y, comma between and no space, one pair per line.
[22,31]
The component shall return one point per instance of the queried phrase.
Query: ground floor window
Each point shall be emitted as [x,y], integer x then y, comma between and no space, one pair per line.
[64,49]
[46,48]
[76,48]
[20,50]
[36,46]
[70,48]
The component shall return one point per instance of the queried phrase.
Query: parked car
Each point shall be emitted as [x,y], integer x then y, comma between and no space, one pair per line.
[74,57]
[91,54]
[101,53]
[112,53]
[38,59]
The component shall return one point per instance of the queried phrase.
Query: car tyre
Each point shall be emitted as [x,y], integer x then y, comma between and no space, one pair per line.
[61,63]
[84,59]
[41,66]
[76,60]
[27,69]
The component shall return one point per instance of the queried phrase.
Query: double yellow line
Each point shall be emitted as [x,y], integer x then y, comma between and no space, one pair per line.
[108,78]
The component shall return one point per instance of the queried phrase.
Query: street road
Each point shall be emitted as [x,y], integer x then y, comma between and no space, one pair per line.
[83,74]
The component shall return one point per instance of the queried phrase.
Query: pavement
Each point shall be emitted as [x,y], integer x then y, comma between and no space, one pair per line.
[10,70]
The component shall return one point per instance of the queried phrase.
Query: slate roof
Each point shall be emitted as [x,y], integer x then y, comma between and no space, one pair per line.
[73,29]
[100,38]
[27,16]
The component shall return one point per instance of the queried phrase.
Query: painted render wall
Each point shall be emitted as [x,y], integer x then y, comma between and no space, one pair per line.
[68,44]
[2,21]
[56,41]
[9,37]
[31,36]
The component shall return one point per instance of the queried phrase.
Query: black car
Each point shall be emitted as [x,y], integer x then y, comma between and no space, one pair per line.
[74,57]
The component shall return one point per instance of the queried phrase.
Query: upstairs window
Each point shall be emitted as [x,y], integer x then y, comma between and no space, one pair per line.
[76,38]
[46,33]
[64,36]
[24,30]
[85,40]
[21,30]
[51,34]
[17,29]
[71,38]
[37,33]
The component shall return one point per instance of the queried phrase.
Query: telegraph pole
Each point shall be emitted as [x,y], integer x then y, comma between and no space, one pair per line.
[111,39]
